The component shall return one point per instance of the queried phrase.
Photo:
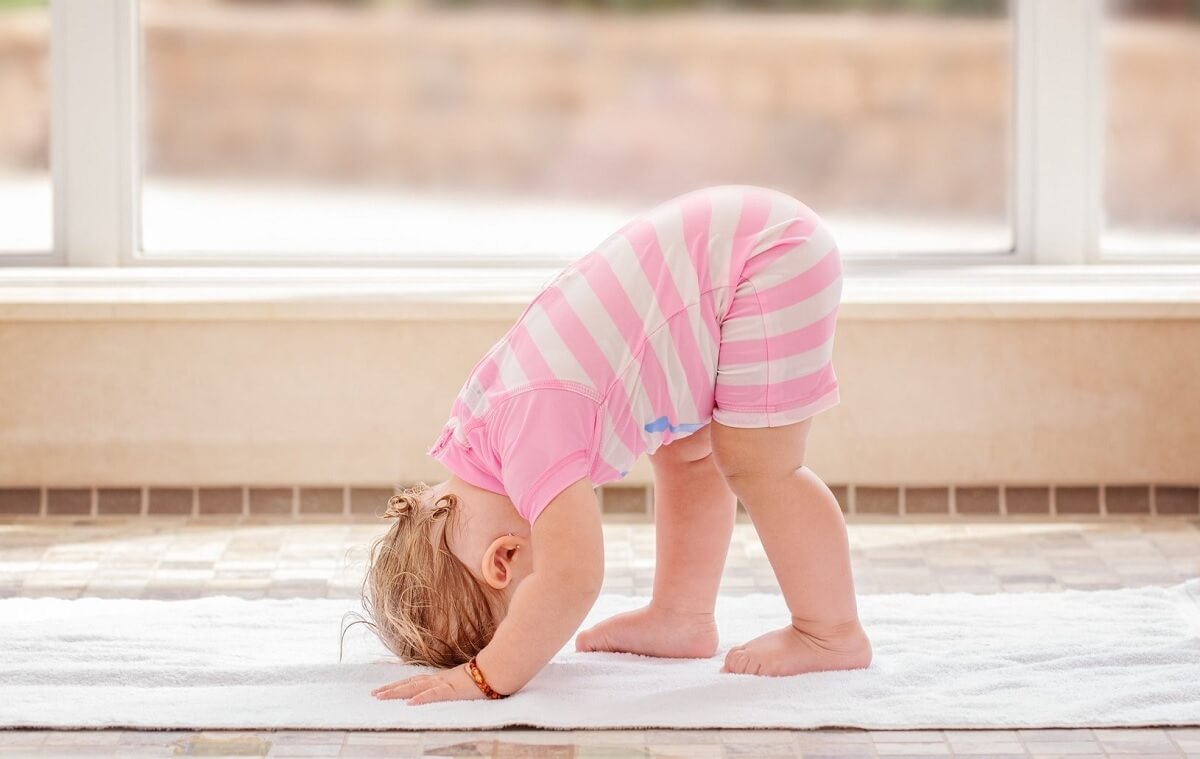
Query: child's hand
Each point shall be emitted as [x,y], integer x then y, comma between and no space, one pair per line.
[545,610]
[448,685]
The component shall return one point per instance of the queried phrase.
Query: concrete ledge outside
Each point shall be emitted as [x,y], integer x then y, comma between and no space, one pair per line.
[482,293]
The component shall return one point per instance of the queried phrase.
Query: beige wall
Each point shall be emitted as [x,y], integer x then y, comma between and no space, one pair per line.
[989,400]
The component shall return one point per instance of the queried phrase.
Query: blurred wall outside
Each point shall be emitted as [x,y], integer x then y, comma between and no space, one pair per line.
[908,114]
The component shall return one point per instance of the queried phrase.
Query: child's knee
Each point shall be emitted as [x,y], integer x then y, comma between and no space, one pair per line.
[745,455]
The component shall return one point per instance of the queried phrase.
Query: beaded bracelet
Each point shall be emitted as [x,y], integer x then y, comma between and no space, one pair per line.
[477,676]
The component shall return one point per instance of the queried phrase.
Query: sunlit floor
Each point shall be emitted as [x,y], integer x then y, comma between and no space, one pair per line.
[169,558]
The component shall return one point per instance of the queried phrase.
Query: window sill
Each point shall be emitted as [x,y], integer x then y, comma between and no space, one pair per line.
[500,293]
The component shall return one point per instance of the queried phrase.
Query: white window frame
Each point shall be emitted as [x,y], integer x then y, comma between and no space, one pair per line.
[1056,201]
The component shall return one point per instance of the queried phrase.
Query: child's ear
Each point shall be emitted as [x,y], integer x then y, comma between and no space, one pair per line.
[498,560]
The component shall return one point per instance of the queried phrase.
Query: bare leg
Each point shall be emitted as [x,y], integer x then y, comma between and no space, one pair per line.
[804,536]
[693,516]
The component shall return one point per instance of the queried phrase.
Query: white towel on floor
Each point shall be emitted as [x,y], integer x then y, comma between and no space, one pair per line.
[1107,658]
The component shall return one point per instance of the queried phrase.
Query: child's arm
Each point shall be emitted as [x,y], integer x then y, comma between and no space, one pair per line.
[548,607]
[551,603]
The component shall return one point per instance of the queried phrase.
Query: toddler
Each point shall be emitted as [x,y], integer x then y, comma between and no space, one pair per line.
[700,333]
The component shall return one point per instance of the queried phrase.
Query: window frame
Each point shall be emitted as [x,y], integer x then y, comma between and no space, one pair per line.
[1056,181]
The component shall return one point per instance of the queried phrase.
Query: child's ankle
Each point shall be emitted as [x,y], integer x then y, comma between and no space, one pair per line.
[662,607]
[820,630]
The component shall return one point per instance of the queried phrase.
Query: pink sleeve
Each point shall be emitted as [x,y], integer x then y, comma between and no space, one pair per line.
[543,439]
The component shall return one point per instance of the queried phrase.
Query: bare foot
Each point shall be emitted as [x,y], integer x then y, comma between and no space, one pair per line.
[792,651]
[653,631]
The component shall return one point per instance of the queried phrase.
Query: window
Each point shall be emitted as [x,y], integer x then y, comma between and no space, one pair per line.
[465,132]
[450,128]
[1152,151]
[25,199]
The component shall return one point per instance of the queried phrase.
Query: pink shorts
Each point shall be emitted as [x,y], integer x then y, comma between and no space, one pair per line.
[775,363]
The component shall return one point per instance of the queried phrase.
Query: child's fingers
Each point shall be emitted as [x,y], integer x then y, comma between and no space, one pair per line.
[400,691]
[402,688]
[396,683]
[439,692]
[389,686]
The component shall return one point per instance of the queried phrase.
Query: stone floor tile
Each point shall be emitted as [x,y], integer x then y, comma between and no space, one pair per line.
[22,738]
[987,748]
[471,747]
[1056,734]
[216,743]
[610,752]
[1139,748]
[1063,747]
[83,738]
[381,751]
[67,749]
[760,736]
[806,738]
[698,750]
[523,751]
[608,737]
[305,749]
[307,737]
[907,736]
[146,750]
[384,738]
[910,748]
[956,737]
[778,742]
[1004,754]
[654,737]
[154,737]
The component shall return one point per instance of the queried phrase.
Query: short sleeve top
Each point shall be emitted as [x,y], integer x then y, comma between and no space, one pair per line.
[530,445]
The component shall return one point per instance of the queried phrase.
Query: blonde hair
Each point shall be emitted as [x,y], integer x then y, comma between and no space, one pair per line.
[421,601]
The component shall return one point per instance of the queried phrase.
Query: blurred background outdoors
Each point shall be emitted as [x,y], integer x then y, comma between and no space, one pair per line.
[534,128]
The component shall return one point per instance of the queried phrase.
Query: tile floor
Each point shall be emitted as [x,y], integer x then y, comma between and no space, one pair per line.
[264,558]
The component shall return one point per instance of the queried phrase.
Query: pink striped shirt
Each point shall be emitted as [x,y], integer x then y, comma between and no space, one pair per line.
[625,349]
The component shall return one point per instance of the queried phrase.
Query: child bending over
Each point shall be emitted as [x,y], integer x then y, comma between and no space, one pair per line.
[700,333]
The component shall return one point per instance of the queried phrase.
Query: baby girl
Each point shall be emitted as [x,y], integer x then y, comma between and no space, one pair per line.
[700,333]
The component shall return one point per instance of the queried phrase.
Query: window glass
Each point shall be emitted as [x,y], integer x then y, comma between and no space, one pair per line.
[447,127]
[25,201]
[1152,150]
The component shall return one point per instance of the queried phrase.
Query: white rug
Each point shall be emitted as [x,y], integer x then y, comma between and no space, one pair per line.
[1070,659]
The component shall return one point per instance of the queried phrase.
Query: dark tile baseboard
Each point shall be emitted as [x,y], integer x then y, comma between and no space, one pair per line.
[1068,501]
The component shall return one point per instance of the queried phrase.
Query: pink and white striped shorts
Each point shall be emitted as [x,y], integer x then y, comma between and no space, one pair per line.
[775,361]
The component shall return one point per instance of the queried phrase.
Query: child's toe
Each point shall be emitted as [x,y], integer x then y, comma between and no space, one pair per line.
[585,641]
[735,660]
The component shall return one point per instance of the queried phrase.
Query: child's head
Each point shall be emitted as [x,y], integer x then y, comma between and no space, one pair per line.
[439,580]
